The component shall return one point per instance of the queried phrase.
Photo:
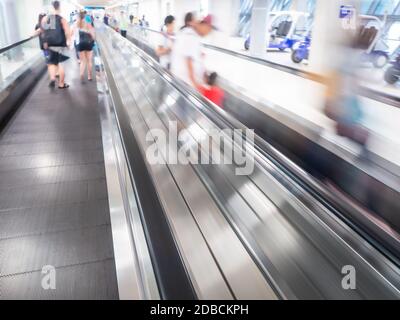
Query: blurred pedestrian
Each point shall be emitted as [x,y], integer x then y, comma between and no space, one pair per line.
[211,91]
[189,20]
[85,36]
[165,45]
[56,38]
[143,23]
[187,61]
[39,31]
[123,24]
[342,102]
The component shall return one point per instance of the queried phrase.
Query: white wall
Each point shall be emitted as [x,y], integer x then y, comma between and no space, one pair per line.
[329,36]
[152,11]
[29,10]
[19,18]
[27,19]
[181,7]
[226,14]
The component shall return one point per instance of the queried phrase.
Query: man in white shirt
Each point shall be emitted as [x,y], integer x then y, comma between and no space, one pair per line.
[187,54]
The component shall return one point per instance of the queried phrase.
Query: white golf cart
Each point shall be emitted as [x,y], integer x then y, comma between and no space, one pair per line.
[370,33]
[285,28]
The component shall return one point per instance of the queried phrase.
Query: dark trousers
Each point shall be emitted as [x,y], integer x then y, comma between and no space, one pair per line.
[123,33]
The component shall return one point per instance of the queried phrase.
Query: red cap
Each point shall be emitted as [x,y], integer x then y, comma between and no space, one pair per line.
[208,19]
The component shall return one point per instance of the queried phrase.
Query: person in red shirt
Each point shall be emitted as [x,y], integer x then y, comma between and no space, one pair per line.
[212,92]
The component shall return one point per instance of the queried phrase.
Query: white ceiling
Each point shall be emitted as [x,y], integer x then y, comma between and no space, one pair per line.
[104,3]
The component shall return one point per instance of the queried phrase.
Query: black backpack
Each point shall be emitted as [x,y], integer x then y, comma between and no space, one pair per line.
[54,35]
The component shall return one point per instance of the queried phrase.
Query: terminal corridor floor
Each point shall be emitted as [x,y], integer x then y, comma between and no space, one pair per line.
[54,212]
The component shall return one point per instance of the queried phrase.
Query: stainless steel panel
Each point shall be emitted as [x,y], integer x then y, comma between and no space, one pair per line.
[134,270]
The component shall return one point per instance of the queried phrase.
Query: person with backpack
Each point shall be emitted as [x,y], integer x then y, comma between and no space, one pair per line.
[56,38]
[84,34]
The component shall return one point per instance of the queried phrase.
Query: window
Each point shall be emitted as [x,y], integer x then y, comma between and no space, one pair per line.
[245,17]
[386,6]
[393,37]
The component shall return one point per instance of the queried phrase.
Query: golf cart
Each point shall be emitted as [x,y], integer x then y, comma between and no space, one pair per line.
[301,50]
[392,74]
[285,29]
[370,38]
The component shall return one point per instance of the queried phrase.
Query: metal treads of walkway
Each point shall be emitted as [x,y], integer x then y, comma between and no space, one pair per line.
[53,197]
[264,235]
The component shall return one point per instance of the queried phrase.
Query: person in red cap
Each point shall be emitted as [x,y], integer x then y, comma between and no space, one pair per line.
[187,61]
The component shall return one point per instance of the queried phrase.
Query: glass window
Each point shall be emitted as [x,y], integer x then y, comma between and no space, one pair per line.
[386,6]
[281,5]
[311,6]
[366,6]
[393,37]
[3,39]
[245,17]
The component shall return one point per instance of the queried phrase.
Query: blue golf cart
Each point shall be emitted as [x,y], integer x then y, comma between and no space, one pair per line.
[284,29]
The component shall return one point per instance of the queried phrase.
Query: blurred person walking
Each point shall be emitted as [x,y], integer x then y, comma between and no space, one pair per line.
[166,43]
[39,32]
[342,102]
[187,61]
[84,34]
[123,24]
[143,23]
[189,20]
[56,38]
[211,91]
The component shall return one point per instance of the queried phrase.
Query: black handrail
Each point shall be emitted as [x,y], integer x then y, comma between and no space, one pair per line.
[16,44]
[279,66]
[269,63]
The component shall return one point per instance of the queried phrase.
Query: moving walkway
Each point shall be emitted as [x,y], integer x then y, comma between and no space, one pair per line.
[54,209]
[372,184]
[265,235]
[168,229]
